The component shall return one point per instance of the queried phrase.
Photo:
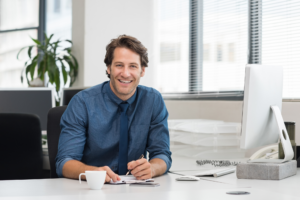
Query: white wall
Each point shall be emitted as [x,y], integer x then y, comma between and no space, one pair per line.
[96,22]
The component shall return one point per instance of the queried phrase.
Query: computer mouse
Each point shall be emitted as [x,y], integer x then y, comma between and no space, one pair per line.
[187,178]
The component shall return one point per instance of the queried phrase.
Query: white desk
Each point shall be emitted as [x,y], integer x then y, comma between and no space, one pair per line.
[169,189]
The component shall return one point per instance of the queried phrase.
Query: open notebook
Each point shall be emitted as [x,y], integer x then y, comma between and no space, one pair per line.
[130,179]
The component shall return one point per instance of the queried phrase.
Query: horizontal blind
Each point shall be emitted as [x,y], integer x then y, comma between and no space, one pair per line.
[225,44]
[281,43]
[172,45]
[255,29]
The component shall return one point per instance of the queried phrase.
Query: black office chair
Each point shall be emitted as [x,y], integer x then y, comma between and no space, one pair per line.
[21,155]
[53,132]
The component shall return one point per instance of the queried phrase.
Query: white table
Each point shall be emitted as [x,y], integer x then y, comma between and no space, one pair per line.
[213,188]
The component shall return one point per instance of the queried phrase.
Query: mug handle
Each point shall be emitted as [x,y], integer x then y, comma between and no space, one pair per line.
[80,177]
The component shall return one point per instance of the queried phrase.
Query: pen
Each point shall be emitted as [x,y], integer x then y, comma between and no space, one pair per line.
[142,156]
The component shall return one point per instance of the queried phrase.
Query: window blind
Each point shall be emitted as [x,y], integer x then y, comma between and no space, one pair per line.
[281,43]
[172,44]
[225,44]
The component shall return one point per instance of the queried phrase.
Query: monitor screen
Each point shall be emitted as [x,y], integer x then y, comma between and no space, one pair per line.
[31,101]
[68,94]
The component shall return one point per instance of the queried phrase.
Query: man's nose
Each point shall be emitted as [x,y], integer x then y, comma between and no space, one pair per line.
[126,71]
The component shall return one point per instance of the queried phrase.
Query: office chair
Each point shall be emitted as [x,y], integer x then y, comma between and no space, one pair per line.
[21,155]
[53,132]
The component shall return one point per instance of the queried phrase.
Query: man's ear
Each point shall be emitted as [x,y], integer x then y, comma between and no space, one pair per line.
[143,71]
[108,69]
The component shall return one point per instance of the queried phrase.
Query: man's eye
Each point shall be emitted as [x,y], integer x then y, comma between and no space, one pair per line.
[133,66]
[119,65]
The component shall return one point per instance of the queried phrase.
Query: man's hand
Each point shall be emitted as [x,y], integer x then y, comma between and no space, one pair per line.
[109,174]
[141,169]
[73,168]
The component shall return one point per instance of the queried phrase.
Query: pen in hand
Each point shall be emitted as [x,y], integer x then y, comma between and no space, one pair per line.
[142,156]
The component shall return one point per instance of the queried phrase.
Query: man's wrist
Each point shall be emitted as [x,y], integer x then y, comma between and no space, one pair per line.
[152,170]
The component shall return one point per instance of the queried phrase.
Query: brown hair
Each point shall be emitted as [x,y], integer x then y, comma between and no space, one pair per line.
[128,42]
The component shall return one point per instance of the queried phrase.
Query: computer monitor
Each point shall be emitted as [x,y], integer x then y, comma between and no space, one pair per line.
[28,100]
[262,122]
[68,93]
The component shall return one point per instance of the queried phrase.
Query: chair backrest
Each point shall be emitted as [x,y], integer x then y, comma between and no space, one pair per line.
[53,132]
[21,155]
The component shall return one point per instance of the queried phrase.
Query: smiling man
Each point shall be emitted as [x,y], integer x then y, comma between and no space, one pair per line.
[109,126]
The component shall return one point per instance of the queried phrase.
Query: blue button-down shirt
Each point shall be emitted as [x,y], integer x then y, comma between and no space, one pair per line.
[90,128]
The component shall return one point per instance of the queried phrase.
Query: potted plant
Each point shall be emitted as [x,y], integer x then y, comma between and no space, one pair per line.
[50,64]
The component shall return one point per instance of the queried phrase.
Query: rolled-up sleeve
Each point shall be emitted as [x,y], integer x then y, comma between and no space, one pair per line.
[73,133]
[158,144]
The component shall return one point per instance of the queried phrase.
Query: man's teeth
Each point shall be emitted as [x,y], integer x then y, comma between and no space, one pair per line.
[125,81]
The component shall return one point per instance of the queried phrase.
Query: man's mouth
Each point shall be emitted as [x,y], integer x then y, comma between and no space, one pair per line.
[126,82]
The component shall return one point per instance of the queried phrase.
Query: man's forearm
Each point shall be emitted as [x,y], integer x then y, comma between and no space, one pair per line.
[73,168]
[158,167]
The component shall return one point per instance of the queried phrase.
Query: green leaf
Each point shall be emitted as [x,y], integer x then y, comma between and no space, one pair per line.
[32,68]
[69,41]
[29,51]
[22,50]
[73,71]
[68,49]
[40,70]
[64,72]
[26,72]
[50,37]
[57,80]
[23,71]
[51,68]
[45,35]
[36,41]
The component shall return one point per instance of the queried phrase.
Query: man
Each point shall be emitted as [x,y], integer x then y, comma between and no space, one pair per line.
[109,126]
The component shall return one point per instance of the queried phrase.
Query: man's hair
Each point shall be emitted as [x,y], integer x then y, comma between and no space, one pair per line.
[128,42]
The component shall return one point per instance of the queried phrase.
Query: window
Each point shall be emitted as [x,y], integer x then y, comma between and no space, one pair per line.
[19,19]
[206,52]
[59,19]
[22,19]
[280,41]
[231,52]
[203,45]
[226,35]
[173,46]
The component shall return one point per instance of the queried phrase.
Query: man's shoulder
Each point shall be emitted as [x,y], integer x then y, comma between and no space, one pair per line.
[148,91]
[91,92]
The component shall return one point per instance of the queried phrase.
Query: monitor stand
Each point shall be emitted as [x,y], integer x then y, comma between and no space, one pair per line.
[284,138]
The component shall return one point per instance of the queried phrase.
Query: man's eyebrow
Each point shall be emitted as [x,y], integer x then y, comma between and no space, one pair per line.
[133,63]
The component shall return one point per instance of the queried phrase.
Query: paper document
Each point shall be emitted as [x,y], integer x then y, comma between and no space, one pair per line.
[130,179]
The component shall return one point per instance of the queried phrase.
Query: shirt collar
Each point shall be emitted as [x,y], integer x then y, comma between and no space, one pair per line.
[114,97]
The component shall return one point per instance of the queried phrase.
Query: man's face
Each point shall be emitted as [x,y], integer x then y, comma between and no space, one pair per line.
[125,72]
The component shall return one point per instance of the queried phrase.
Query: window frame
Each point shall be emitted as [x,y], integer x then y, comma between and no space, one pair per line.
[42,23]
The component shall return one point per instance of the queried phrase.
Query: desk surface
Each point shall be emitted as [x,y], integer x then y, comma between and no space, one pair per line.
[211,188]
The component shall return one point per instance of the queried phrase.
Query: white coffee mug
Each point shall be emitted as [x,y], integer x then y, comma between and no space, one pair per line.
[95,179]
